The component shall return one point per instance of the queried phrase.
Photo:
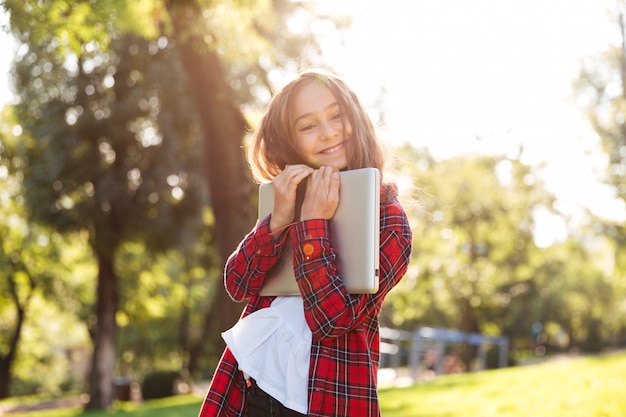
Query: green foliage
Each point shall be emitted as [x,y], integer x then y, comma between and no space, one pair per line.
[601,90]
[572,292]
[160,384]
[110,147]
[259,41]
[476,266]
[474,236]
[74,23]
[110,153]
[44,283]
[163,302]
[53,345]
[594,341]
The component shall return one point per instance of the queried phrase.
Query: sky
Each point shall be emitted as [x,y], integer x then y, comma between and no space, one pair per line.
[482,76]
[486,76]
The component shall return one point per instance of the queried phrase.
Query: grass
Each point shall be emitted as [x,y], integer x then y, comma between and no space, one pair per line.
[581,387]
[179,406]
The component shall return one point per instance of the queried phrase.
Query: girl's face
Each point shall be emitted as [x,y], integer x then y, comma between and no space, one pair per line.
[319,127]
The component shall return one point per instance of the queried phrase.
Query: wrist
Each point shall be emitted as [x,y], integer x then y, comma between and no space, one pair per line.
[277,228]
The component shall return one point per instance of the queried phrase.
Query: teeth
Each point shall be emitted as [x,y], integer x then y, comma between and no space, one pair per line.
[334,148]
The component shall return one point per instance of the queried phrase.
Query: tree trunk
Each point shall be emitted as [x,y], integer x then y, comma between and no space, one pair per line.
[6,361]
[102,392]
[223,127]
[5,377]
[467,326]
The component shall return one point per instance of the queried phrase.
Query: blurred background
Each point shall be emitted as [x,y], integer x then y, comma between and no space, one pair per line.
[123,183]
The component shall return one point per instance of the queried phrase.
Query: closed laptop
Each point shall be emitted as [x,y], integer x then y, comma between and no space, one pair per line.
[354,235]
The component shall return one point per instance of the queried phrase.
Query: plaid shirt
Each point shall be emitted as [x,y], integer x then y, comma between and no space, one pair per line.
[345,347]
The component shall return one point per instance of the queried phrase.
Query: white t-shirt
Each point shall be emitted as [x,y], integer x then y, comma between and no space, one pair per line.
[273,346]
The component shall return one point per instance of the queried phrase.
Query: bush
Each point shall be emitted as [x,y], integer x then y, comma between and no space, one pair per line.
[160,384]
[493,358]
[21,387]
[593,343]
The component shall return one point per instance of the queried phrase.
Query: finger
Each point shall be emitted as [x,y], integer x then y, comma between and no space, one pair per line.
[335,184]
[331,179]
[291,176]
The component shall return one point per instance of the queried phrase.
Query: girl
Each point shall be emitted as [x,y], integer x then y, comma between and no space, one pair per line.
[317,354]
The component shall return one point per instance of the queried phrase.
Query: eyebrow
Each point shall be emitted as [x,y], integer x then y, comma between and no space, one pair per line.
[302,116]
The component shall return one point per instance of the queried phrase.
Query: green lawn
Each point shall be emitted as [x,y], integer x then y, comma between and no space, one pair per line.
[583,387]
[180,406]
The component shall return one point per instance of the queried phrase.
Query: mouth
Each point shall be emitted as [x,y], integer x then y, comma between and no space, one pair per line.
[332,149]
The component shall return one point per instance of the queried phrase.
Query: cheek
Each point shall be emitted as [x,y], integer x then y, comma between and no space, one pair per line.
[347,131]
[305,145]
[306,149]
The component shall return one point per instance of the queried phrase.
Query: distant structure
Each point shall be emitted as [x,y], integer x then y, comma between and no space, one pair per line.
[425,350]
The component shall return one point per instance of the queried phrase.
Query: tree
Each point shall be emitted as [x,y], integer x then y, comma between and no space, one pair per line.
[30,276]
[18,283]
[110,151]
[474,239]
[601,89]
[247,40]
[82,32]
[574,295]
[224,128]
[157,332]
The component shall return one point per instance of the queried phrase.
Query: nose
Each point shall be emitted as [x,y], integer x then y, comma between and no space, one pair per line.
[328,131]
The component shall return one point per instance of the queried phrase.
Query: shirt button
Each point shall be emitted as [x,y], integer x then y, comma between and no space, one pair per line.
[308,249]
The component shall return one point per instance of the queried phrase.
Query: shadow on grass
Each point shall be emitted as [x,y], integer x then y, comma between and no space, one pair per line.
[607,356]
[161,411]
[180,406]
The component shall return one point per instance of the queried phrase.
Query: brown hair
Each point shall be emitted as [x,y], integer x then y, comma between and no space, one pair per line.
[272,146]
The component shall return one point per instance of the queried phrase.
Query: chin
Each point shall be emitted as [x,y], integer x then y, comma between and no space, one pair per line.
[340,167]
[340,163]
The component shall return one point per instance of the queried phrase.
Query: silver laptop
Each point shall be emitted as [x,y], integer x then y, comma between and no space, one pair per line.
[354,234]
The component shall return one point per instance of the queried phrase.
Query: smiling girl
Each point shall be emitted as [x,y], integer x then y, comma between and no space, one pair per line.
[317,354]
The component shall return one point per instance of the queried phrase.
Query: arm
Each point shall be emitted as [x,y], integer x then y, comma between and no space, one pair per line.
[329,310]
[247,266]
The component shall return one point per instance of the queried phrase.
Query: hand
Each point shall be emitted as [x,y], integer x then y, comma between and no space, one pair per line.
[322,194]
[285,185]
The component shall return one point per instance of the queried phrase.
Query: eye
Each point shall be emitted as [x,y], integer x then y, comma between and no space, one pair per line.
[307,127]
[337,116]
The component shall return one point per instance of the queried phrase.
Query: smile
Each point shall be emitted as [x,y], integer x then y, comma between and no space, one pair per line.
[332,149]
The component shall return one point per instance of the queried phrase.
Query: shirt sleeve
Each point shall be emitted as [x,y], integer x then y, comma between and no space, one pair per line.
[330,310]
[247,266]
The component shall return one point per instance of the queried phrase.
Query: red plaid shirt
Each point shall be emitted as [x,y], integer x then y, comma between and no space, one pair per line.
[345,347]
